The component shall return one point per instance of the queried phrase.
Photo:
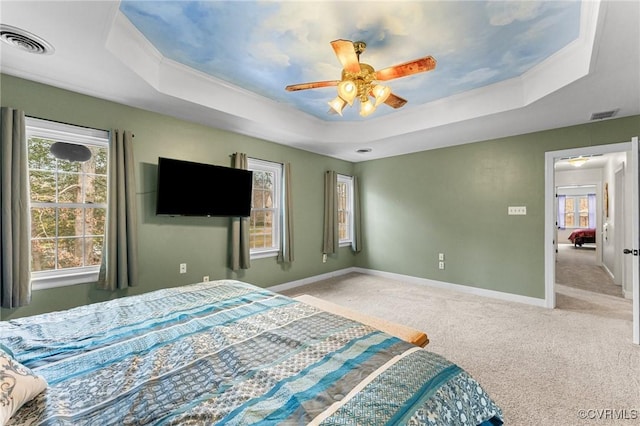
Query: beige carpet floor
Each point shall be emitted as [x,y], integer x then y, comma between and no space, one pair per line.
[576,267]
[541,366]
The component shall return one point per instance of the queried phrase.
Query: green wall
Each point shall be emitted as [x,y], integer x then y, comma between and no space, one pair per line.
[454,201]
[450,200]
[167,241]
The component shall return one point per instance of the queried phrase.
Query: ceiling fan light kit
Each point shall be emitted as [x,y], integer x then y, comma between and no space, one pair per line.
[360,80]
[366,108]
[337,104]
[347,91]
[381,93]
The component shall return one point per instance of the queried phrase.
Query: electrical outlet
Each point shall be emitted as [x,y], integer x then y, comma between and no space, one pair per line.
[324,257]
[183,268]
[205,279]
[440,265]
[440,256]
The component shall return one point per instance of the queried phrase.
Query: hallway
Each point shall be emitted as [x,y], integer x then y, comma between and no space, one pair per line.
[576,267]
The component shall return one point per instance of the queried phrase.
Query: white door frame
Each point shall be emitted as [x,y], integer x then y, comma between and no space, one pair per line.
[635,237]
[549,214]
[619,269]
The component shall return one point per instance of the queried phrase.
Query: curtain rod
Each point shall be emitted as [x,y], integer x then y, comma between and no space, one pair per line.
[71,124]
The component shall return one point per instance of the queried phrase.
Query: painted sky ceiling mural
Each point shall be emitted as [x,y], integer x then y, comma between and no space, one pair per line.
[263,46]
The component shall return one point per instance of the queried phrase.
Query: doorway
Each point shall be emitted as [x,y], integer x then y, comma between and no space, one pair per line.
[580,235]
[606,249]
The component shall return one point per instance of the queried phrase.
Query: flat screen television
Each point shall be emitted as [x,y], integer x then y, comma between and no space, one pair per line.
[186,188]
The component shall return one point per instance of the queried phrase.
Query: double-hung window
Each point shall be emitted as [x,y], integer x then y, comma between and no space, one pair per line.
[266,208]
[577,207]
[345,209]
[579,212]
[68,201]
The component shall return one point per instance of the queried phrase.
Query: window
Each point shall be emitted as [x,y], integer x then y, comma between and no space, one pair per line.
[68,202]
[576,212]
[579,211]
[345,209]
[266,202]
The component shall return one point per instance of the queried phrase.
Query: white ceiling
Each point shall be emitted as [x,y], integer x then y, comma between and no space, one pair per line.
[99,52]
[593,162]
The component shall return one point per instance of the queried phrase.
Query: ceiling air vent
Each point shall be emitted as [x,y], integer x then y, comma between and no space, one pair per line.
[603,114]
[24,40]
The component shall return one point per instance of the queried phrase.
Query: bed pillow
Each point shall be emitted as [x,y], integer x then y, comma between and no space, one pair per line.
[18,385]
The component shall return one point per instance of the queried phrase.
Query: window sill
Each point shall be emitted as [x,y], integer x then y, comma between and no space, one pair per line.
[264,254]
[345,244]
[45,280]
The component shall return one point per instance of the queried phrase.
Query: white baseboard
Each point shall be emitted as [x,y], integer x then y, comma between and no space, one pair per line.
[510,297]
[608,271]
[310,280]
[415,280]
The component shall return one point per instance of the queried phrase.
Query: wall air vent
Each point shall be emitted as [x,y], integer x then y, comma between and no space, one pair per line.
[24,40]
[603,114]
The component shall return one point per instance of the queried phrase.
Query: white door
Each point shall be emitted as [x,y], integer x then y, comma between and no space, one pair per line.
[632,252]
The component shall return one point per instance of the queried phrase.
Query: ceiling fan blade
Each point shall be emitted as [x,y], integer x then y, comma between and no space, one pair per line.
[408,68]
[346,54]
[314,85]
[395,101]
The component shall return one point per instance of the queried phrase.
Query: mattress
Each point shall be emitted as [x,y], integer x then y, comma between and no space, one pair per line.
[227,352]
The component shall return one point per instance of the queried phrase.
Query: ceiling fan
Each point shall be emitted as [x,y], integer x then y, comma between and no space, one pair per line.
[360,80]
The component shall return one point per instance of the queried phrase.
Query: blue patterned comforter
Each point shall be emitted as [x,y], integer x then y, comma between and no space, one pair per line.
[231,353]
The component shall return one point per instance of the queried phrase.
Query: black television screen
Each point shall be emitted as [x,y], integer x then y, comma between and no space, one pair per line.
[186,188]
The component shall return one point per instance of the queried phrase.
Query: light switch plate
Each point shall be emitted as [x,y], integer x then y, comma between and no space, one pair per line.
[517,210]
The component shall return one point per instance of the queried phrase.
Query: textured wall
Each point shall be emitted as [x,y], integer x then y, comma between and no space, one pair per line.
[454,201]
[167,241]
[451,200]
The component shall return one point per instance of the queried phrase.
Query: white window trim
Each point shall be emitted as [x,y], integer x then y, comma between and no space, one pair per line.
[349,181]
[65,132]
[52,130]
[277,170]
[64,277]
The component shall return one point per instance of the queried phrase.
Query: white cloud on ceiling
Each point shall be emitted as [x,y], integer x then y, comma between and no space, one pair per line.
[478,76]
[264,46]
[505,12]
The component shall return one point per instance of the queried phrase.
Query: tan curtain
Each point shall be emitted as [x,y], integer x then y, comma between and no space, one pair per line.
[356,244]
[286,233]
[330,240]
[240,255]
[15,224]
[119,268]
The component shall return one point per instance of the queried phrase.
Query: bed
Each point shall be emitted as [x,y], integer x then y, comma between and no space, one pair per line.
[582,236]
[227,352]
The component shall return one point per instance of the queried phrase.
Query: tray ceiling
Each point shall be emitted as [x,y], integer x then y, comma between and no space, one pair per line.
[504,68]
